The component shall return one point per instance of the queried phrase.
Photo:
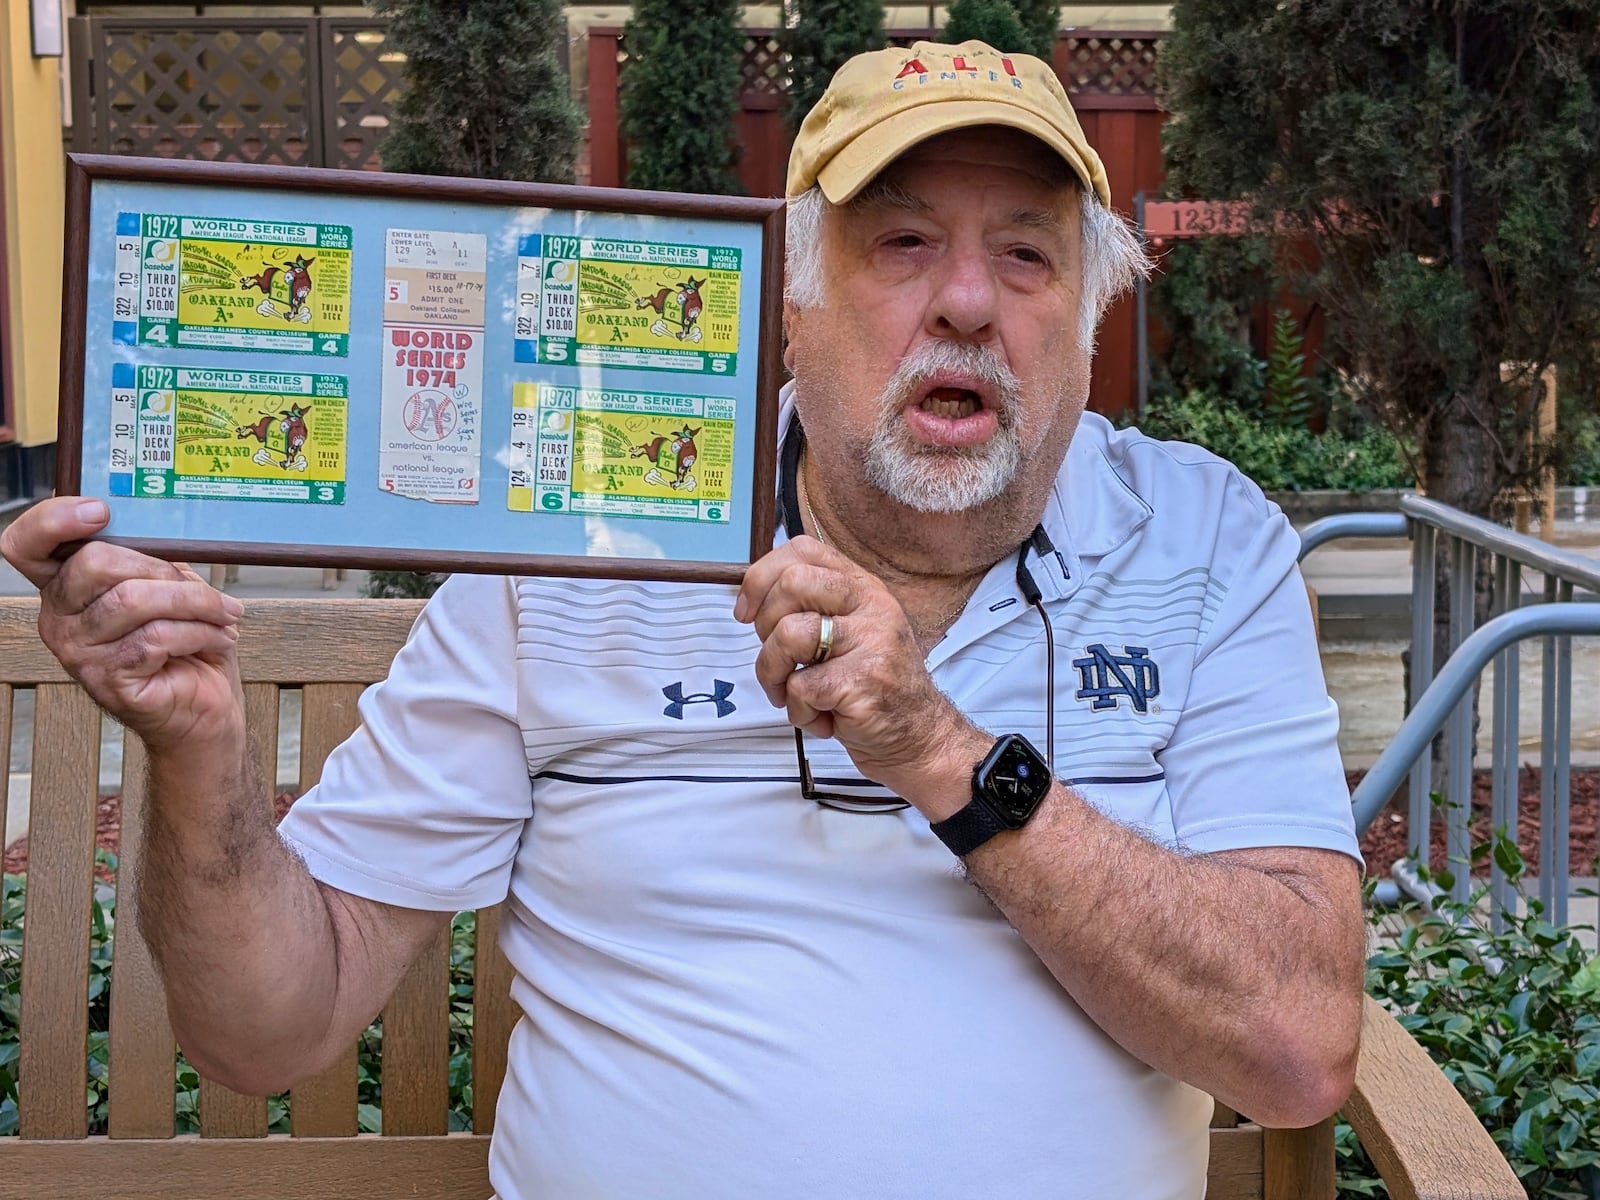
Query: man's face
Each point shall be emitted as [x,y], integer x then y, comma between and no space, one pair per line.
[943,365]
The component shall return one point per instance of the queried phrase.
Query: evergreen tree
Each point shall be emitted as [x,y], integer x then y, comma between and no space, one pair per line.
[486,92]
[1441,163]
[1041,23]
[826,34]
[1428,172]
[486,96]
[680,94]
[993,22]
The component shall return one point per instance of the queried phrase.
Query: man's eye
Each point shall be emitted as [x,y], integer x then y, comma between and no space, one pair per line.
[1029,255]
[905,241]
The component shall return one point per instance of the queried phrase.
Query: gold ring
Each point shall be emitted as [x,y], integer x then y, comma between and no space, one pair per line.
[824,641]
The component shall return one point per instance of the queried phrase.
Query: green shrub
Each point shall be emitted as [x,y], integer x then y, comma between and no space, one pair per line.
[994,22]
[369,1054]
[1282,457]
[1519,1040]
[1583,468]
[680,95]
[824,35]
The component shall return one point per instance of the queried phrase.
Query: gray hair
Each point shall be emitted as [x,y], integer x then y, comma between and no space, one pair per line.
[1113,257]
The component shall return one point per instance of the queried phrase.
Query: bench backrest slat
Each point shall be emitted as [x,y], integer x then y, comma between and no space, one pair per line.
[54,1016]
[493,1016]
[325,1106]
[416,1046]
[139,1087]
[1299,1162]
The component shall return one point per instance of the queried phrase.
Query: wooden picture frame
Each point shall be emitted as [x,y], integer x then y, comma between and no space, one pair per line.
[423,373]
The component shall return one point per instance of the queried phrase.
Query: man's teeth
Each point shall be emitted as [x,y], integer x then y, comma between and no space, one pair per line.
[951,404]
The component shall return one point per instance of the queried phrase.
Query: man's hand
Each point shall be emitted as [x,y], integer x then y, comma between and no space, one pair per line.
[874,693]
[151,641]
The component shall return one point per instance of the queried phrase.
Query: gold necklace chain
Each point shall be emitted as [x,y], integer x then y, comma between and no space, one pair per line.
[805,498]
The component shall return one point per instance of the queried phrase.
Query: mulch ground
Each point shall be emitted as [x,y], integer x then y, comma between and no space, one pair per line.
[1386,841]
[1383,843]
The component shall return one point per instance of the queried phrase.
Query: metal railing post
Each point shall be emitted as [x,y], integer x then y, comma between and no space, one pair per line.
[1503,776]
[1560,820]
[1458,740]
[1419,812]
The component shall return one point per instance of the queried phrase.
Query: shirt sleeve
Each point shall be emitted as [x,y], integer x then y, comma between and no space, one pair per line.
[1254,759]
[424,805]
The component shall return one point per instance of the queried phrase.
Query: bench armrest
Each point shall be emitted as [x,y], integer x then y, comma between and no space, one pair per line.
[1418,1131]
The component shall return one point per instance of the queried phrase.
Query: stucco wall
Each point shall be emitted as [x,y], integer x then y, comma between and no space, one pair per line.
[33,171]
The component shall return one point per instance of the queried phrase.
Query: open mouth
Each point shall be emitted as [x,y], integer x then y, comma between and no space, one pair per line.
[951,403]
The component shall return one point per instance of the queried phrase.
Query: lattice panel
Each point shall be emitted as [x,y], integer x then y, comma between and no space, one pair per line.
[364,79]
[764,67]
[238,93]
[1112,66]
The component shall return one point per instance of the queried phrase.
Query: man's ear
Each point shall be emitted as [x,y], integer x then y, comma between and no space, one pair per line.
[791,331]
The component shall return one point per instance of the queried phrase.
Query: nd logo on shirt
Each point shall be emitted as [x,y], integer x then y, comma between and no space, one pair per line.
[1104,677]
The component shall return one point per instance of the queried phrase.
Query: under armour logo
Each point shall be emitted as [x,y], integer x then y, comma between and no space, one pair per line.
[1104,676]
[721,689]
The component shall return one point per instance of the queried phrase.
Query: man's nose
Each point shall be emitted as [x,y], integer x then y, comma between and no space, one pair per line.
[965,295]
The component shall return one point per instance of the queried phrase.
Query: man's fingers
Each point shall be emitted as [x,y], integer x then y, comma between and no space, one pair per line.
[122,676]
[36,541]
[126,606]
[762,574]
[97,568]
[805,588]
[793,642]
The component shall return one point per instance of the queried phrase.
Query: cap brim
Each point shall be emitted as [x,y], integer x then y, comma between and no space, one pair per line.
[843,176]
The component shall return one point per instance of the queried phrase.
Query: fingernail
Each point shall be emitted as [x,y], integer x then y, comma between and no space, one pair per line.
[93,512]
[232,606]
[738,608]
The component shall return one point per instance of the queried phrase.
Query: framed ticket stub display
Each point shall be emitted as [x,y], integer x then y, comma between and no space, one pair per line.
[339,368]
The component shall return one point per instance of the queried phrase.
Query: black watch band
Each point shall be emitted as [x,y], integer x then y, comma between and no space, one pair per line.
[968,829]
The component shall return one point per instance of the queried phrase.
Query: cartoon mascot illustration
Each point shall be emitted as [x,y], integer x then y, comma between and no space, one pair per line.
[670,452]
[296,286]
[291,425]
[689,303]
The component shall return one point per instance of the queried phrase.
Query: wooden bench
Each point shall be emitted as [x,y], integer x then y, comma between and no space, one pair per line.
[1421,1135]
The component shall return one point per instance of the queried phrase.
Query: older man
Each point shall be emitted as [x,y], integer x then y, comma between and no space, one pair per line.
[1069,665]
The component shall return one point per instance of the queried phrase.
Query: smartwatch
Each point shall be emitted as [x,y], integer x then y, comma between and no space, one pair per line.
[1007,787]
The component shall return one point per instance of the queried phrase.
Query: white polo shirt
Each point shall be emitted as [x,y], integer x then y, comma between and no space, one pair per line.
[732,992]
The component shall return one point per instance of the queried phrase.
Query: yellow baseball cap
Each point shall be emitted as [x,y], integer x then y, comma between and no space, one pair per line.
[882,103]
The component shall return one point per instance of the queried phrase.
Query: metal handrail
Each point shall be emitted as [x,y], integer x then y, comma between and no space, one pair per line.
[1567,576]
[1497,539]
[1429,714]
[1343,525]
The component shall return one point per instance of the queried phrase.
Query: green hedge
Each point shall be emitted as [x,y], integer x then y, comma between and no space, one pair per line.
[1283,456]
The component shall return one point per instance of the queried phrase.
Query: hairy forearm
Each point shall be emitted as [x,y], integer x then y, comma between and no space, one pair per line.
[240,931]
[1241,981]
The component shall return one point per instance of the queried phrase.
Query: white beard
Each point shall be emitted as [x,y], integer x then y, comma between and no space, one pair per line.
[944,479]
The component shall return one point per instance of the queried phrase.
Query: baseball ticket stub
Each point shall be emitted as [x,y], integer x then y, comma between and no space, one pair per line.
[430,408]
[618,453]
[200,433]
[216,283]
[653,306]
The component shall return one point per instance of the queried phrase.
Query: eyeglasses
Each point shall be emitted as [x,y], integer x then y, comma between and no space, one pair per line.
[888,802]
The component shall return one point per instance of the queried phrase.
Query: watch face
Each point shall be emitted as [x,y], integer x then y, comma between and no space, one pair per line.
[1016,781]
